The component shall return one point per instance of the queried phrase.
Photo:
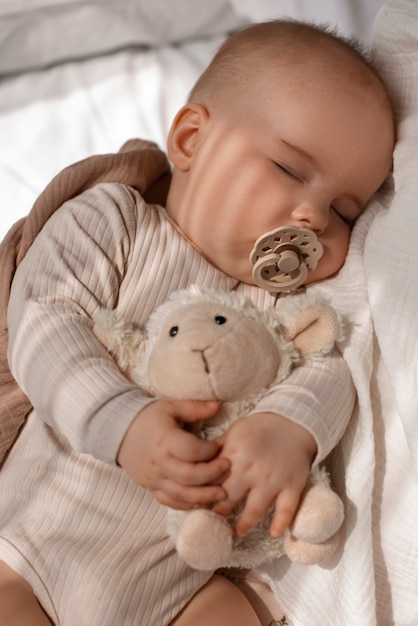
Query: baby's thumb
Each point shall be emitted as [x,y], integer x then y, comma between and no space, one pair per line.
[195,410]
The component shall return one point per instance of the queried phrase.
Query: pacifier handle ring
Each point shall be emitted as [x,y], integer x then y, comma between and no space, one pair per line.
[291,253]
[279,282]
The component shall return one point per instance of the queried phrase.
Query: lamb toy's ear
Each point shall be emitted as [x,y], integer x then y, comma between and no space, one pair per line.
[123,340]
[314,329]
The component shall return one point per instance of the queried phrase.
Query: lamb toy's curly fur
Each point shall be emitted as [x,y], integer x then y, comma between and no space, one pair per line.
[208,345]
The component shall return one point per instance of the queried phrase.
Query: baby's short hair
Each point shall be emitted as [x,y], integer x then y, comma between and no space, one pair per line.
[241,55]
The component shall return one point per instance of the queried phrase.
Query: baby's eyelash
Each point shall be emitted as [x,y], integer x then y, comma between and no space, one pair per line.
[288,173]
[344,218]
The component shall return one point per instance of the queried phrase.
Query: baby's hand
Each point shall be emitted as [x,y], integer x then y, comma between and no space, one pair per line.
[270,460]
[174,465]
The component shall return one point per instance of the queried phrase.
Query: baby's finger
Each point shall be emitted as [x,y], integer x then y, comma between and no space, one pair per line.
[194,474]
[285,509]
[233,498]
[173,503]
[195,410]
[257,504]
[189,447]
[181,496]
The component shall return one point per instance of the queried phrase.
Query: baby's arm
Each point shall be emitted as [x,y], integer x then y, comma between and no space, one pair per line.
[271,451]
[76,265]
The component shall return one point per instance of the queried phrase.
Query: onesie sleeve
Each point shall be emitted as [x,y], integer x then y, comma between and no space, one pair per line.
[319,396]
[76,264]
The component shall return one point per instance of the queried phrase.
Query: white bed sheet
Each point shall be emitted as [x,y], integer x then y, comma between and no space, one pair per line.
[53,117]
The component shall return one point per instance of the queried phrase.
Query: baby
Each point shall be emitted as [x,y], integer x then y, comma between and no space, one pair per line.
[289,126]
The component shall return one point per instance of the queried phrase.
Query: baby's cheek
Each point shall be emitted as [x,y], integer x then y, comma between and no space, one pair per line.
[332,260]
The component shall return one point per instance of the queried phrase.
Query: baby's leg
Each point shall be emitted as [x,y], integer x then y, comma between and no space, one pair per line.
[218,602]
[19,606]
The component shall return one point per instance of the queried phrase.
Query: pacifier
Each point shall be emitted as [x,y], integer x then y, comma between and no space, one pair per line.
[283,258]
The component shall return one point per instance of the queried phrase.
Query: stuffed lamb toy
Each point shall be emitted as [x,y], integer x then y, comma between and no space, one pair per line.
[207,345]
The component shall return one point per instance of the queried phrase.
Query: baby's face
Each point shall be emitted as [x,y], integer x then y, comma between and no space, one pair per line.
[309,150]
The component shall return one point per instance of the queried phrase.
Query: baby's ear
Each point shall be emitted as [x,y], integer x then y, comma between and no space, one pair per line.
[314,329]
[184,132]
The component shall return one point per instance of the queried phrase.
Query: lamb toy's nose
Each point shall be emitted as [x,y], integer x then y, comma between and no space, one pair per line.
[204,359]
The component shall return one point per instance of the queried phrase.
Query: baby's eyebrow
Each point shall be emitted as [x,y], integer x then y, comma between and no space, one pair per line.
[300,152]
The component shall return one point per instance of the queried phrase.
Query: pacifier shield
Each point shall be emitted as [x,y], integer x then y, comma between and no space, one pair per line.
[283,258]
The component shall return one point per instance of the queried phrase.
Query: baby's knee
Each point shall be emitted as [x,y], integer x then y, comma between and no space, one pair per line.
[19,606]
[218,602]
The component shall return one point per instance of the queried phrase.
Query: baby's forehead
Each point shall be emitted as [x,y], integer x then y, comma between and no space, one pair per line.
[326,69]
[270,65]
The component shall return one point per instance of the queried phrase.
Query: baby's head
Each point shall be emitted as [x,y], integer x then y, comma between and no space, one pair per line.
[288,126]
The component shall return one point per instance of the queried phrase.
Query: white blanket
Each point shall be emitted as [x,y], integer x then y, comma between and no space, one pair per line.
[373,581]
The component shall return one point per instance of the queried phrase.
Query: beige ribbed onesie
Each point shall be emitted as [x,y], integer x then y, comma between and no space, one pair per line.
[93,544]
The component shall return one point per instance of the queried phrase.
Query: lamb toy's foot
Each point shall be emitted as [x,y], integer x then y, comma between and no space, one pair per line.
[306,553]
[320,514]
[314,534]
[204,540]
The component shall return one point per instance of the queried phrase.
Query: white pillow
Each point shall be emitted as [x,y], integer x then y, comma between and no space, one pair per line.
[38,33]
[391,255]
[395,48]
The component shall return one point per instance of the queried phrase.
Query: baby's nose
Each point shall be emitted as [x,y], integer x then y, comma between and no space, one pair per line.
[312,216]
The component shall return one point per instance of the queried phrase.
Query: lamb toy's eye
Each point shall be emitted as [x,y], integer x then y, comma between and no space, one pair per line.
[174,331]
[220,319]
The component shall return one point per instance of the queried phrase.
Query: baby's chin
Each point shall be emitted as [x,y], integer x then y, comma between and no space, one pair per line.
[246,277]
[242,272]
